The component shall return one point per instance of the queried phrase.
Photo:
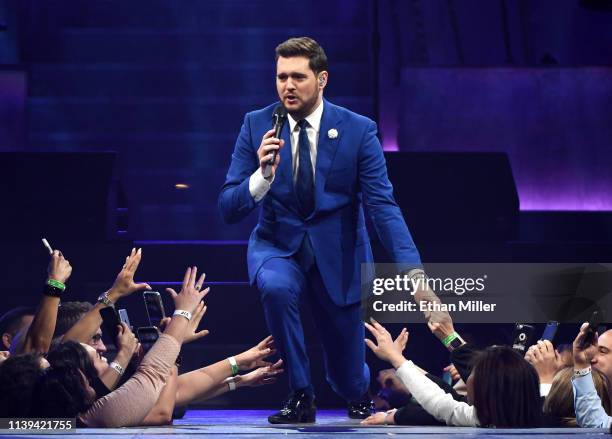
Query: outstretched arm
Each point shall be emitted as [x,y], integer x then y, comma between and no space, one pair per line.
[209,381]
[124,285]
[161,413]
[381,205]
[428,394]
[39,335]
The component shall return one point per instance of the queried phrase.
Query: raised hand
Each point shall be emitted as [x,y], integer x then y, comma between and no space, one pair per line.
[441,329]
[384,348]
[402,340]
[260,376]
[452,370]
[190,295]
[192,332]
[59,268]
[380,418]
[127,343]
[583,354]
[546,361]
[269,144]
[124,284]
[254,357]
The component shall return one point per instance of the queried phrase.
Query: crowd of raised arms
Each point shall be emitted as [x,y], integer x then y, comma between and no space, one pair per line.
[53,364]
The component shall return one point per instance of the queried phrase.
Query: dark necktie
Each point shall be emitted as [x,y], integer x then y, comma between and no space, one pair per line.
[304,185]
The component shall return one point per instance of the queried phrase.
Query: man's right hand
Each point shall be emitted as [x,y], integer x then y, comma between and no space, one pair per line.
[583,354]
[269,143]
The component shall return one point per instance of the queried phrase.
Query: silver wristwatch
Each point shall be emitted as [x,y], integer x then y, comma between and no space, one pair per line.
[105,299]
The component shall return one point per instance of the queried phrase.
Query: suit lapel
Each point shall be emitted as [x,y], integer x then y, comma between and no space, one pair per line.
[326,147]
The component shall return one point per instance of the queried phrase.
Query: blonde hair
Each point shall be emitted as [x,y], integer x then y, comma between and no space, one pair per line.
[560,400]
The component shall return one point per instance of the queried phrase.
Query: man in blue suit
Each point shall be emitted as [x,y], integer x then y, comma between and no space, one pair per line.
[311,239]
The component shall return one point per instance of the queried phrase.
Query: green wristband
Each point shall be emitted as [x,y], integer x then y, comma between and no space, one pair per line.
[234,365]
[56,284]
[449,339]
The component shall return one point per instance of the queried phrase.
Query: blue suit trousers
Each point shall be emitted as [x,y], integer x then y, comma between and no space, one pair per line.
[284,282]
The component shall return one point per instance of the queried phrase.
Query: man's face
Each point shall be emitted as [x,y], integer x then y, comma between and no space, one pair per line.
[97,343]
[602,361]
[299,89]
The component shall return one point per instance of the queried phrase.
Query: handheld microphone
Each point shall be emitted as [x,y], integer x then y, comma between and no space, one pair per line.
[278,117]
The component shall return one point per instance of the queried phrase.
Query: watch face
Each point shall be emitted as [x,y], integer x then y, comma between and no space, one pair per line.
[456,343]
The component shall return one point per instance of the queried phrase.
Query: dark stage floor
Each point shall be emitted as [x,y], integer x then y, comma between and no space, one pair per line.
[253,424]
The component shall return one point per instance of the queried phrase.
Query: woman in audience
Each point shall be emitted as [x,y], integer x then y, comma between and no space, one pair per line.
[65,392]
[559,404]
[60,393]
[502,387]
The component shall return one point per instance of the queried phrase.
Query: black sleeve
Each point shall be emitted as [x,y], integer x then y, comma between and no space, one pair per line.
[413,414]
[462,359]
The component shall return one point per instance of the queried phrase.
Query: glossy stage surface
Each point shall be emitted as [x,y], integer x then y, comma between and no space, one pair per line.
[253,424]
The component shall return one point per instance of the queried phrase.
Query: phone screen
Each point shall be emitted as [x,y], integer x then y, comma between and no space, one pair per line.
[147,336]
[550,331]
[110,321]
[155,307]
[123,316]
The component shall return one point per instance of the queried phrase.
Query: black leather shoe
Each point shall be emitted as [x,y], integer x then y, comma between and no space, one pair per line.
[298,409]
[361,409]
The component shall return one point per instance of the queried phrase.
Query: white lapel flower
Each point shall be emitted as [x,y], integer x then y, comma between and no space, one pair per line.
[333,133]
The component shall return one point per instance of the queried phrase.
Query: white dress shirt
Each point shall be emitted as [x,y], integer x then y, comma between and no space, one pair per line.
[258,185]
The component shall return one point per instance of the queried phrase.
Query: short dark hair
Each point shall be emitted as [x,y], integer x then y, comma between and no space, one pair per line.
[506,390]
[9,322]
[306,47]
[68,314]
[18,377]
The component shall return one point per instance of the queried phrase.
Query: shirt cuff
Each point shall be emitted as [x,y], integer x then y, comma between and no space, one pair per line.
[584,384]
[258,185]
[545,388]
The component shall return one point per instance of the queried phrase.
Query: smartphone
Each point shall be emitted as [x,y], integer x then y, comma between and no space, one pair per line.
[591,336]
[155,307]
[521,339]
[110,321]
[147,336]
[550,331]
[123,317]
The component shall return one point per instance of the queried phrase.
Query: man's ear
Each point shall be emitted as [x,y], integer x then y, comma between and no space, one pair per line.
[323,78]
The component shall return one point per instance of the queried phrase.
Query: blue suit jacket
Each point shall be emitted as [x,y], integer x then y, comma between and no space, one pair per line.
[350,172]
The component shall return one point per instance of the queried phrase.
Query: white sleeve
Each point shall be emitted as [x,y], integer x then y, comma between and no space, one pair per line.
[434,400]
[258,185]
